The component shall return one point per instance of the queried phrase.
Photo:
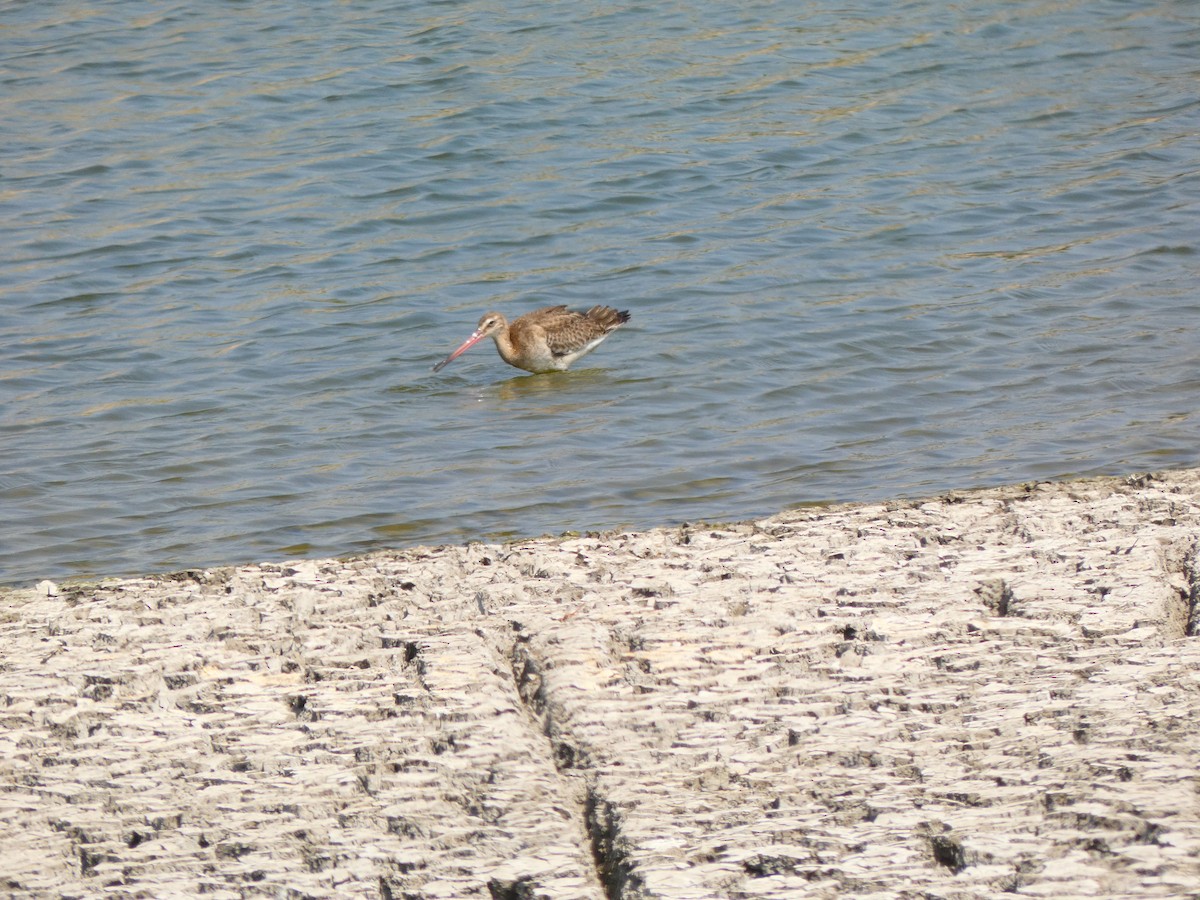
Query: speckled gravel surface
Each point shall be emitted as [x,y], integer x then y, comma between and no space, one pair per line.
[993,692]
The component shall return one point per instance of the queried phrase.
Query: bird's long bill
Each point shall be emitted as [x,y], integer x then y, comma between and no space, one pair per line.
[470,342]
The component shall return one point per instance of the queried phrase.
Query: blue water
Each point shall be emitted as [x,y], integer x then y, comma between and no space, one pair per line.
[869,252]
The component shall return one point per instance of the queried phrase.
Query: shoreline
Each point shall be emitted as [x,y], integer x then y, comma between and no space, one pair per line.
[988,691]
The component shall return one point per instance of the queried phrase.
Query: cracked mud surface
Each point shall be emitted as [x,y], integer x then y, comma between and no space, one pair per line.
[990,692]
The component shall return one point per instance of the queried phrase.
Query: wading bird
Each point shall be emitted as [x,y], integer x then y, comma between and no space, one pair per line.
[545,340]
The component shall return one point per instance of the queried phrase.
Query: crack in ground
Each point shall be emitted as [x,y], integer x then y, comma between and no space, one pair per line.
[1191,571]
[601,821]
[1181,570]
[613,866]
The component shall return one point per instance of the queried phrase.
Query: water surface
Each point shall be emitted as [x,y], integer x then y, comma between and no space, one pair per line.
[868,254]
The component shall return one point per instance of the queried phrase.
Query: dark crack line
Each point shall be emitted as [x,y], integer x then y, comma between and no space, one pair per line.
[1191,571]
[600,820]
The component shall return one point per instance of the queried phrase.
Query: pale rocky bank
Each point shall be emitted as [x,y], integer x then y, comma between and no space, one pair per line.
[987,693]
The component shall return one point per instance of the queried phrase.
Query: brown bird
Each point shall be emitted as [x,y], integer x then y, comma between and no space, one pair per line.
[545,340]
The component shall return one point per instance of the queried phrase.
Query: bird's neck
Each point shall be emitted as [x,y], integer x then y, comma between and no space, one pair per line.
[505,346]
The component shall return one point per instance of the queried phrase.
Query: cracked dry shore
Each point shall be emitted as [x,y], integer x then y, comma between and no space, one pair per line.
[989,692]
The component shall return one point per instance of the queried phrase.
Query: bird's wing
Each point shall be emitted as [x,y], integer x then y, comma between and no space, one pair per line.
[550,324]
[573,333]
